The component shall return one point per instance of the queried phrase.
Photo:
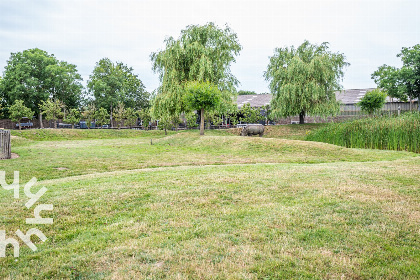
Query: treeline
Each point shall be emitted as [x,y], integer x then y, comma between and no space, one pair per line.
[195,76]
[36,83]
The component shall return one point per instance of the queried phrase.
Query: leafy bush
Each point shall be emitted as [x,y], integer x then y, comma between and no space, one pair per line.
[373,101]
[387,133]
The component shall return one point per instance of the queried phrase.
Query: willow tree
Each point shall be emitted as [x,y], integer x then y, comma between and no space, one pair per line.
[303,80]
[201,54]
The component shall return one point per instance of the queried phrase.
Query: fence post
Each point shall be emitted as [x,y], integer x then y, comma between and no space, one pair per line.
[5,145]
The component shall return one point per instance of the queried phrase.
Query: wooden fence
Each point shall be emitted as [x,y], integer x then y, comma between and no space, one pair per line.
[389,107]
[5,146]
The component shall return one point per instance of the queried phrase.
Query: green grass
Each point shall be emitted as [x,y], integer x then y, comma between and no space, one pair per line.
[57,159]
[83,134]
[215,207]
[400,133]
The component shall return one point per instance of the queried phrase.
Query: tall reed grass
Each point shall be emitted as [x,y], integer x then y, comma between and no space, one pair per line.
[401,133]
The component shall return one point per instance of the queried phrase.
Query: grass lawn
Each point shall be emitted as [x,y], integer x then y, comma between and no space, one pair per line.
[213,207]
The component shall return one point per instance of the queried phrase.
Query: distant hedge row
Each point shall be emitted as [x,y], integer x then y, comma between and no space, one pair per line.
[401,133]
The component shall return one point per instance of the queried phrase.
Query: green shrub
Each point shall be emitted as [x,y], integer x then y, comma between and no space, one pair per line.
[373,101]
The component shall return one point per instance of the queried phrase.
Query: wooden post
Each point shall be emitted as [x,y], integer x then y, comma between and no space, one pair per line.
[5,146]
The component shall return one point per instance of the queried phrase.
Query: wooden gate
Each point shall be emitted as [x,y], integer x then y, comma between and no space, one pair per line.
[5,146]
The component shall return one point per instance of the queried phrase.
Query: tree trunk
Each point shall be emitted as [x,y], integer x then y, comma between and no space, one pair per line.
[302,117]
[20,127]
[72,126]
[166,133]
[55,123]
[202,122]
[41,125]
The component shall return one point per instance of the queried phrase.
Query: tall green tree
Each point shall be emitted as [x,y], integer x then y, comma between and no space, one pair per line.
[34,76]
[65,84]
[114,83]
[201,53]
[404,82]
[18,111]
[303,80]
[201,96]
[2,100]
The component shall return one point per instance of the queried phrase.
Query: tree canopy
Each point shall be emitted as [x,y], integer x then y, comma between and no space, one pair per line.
[114,83]
[250,114]
[202,54]
[303,80]
[247,92]
[201,97]
[404,82]
[34,76]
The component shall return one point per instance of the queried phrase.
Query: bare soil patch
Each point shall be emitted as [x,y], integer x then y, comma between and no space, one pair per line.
[13,157]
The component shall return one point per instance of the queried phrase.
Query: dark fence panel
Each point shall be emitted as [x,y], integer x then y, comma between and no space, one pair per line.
[5,146]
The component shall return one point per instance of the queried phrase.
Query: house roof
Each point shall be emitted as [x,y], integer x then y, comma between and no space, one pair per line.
[348,96]
[257,100]
[351,96]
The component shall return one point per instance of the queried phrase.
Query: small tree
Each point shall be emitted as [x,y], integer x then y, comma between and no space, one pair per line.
[130,116]
[119,114]
[373,101]
[73,117]
[89,114]
[201,97]
[18,111]
[145,117]
[52,110]
[101,116]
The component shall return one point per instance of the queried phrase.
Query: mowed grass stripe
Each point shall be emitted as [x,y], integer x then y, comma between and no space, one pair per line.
[258,221]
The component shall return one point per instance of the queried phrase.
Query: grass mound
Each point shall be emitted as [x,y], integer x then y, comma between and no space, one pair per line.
[55,159]
[83,134]
[387,133]
[290,131]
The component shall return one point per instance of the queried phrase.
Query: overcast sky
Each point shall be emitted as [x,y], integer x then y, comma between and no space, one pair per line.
[369,33]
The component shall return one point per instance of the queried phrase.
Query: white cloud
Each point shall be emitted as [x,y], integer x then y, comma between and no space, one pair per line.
[369,33]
